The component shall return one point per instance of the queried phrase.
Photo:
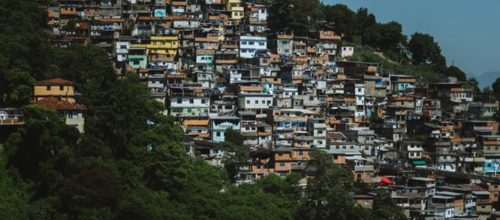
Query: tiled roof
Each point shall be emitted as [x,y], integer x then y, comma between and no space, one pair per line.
[54,82]
[55,103]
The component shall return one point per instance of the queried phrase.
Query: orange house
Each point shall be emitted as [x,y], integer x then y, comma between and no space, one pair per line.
[283,161]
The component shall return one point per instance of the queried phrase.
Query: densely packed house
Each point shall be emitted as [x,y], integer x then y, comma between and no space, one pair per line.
[216,66]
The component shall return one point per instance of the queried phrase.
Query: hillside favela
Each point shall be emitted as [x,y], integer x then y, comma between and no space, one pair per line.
[239,110]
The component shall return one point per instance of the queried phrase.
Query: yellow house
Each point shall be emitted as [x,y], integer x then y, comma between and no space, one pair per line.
[59,88]
[237,11]
[160,45]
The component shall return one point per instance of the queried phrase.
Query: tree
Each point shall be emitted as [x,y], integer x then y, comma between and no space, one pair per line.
[25,44]
[386,37]
[285,15]
[236,153]
[312,10]
[327,193]
[124,132]
[14,194]
[496,88]
[16,86]
[473,84]
[42,146]
[385,208]
[487,95]
[424,50]
[340,17]
[363,21]
[456,72]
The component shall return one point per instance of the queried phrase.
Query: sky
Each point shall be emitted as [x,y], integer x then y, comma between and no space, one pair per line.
[467,31]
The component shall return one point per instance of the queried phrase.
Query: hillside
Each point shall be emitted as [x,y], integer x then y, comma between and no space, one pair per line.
[422,71]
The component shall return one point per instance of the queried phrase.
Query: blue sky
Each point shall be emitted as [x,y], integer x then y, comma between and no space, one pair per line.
[467,31]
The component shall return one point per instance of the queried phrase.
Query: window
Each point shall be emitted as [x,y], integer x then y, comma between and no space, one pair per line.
[248,101]
[48,88]
[244,42]
[203,101]
[256,101]
[251,43]
[191,101]
[217,133]
[282,164]
[61,88]
[179,101]
[73,115]
[261,44]
[301,153]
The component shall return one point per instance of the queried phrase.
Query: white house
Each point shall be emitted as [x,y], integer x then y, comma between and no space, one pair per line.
[189,106]
[346,51]
[121,49]
[359,92]
[255,101]
[219,124]
[250,45]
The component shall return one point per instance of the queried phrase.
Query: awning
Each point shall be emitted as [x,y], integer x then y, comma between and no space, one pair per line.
[386,181]
[418,163]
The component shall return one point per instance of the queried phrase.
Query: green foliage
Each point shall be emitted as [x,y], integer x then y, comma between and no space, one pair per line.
[16,86]
[424,50]
[423,71]
[24,43]
[14,194]
[363,21]
[386,37]
[486,95]
[41,146]
[385,208]
[454,71]
[496,88]
[237,155]
[327,193]
[340,17]
[286,15]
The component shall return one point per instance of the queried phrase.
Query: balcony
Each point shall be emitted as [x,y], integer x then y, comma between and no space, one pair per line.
[251,88]
[237,8]
[285,36]
[11,121]
[365,168]
[298,166]
[446,160]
